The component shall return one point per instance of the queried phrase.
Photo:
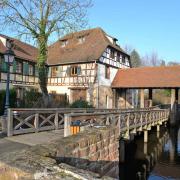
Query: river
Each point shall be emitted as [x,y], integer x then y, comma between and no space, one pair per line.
[159,159]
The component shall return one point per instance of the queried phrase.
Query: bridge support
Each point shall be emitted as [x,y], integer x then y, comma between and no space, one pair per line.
[174,106]
[145,136]
[158,131]
[141,98]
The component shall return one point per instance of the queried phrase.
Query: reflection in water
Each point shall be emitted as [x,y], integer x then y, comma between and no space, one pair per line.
[158,159]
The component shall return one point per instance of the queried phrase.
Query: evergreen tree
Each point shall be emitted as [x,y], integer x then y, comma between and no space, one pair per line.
[135,59]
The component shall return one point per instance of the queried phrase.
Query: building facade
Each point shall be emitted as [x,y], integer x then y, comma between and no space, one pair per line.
[81,64]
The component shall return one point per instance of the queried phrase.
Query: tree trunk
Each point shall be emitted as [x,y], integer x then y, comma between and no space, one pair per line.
[42,68]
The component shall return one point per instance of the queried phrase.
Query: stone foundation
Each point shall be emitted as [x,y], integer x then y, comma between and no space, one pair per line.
[90,154]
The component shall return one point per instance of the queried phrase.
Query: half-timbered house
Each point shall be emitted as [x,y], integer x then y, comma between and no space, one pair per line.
[81,64]
[22,71]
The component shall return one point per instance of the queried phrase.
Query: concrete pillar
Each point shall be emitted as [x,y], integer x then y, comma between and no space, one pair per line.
[150,97]
[141,98]
[145,136]
[145,149]
[67,124]
[158,128]
[174,101]
[158,131]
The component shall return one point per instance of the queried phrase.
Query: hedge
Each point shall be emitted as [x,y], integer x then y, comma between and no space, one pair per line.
[12,99]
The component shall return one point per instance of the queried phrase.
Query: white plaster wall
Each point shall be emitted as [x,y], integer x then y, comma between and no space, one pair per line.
[110,39]
[59,89]
[101,75]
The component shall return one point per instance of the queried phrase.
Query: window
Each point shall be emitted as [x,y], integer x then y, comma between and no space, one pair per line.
[123,59]
[74,70]
[118,57]
[107,72]
[64,43]
[31,70]
[54,71]
[81,39]
[112,54]
[18,67]
[53,92]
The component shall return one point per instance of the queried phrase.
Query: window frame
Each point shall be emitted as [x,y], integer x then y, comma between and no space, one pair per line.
[19,67]
[31,69]
[54,71]
[74,71]
[112,53]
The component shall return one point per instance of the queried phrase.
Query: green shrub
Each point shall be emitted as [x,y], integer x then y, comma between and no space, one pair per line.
[12,99]
[31,98]
[80,104]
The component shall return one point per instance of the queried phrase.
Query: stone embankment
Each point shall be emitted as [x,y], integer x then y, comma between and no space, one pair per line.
[92,154]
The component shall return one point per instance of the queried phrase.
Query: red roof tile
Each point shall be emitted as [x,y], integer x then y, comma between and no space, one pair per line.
[91,49]
[22,50]
[148,77]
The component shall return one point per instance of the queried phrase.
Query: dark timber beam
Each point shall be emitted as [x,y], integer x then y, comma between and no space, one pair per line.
[150,97]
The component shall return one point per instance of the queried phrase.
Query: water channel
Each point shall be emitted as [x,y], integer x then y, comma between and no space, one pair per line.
[159,159]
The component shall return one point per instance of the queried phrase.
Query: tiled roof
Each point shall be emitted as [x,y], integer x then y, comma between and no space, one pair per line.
[22,50]
[91,49]
[148,77]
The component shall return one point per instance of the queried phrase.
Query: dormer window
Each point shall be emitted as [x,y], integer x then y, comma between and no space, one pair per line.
[81,39]
[9,43]
[64,43]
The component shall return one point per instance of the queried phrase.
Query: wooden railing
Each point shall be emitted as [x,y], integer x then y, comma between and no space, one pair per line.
[126,120]
[22,121]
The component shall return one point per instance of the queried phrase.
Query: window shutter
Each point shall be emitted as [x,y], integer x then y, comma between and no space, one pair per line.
[36,71]
[68,71]
[4,66]
[25,68]
[78,70]
[14,66]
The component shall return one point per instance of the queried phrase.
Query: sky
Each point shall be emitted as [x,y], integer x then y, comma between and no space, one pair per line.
[146,25]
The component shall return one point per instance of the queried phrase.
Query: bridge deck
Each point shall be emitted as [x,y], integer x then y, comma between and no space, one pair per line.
[19,142]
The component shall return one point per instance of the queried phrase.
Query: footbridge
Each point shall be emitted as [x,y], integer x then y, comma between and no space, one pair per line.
[129,121]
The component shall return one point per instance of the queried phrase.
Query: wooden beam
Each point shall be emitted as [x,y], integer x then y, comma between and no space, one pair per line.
[141,98]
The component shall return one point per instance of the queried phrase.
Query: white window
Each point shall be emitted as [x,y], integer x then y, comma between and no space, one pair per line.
[81,39]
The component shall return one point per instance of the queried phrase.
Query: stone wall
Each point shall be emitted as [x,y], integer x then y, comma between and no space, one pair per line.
[91,154]
[96,151]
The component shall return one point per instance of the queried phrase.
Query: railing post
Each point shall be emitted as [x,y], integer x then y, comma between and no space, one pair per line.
[10,123]
[56,122]
[36,122]
[67,123]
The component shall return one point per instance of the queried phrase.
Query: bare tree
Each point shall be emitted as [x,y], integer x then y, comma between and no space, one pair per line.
[128,48]
[41,19]
[151,59]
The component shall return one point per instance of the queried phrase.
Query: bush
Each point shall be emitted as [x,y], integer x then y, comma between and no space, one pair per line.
[12,99]
[80,104]
[31,98]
